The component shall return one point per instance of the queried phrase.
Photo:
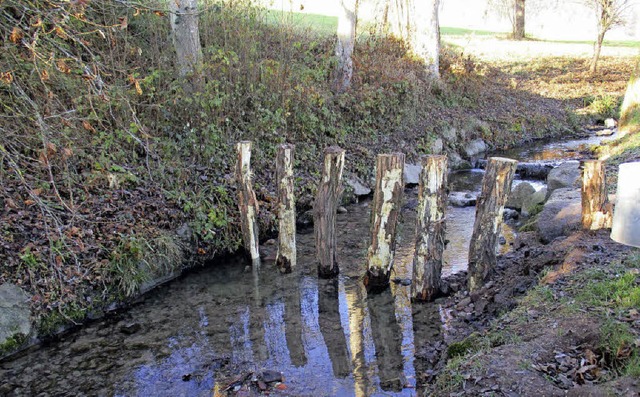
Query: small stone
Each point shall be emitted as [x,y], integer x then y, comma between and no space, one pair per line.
[271,241]
[605,132]
[610,123]
[130,328]
[342,210]
[270,376]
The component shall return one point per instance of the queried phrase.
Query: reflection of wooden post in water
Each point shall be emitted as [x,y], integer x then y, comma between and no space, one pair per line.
[385,210]
[597,212]
[428,340]
[247,202]
[257,317]
[356,297]
[332,332]
[387,338]
[324,211]
[293,328]
[496,186]
[430,229]
[286,257]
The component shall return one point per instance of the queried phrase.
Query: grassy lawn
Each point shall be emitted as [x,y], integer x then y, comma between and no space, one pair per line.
[320,24]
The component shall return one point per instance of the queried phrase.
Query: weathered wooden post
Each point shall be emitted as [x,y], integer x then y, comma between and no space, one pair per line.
[496,186]
[247,201]
[385,210]
[597,213]
[286,256]
[430,229]
[324,211]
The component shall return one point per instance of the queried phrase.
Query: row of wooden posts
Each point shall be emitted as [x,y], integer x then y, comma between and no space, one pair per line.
[430,223]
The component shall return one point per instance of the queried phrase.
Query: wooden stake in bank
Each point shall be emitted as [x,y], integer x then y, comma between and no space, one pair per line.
[496,186]
[385,209]
[597,212]
[286,257]
[247,201]
[430,229]
[324,211]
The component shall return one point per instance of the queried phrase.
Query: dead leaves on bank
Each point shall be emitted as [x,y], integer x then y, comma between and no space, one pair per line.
[574,367]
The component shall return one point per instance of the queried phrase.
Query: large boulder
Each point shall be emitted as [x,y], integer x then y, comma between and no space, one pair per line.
[412,174]
[359,189]
[519,195]
[566,175]
[463,199]
[15,321]
[474,148]
[530,204]
[437,146]
[561,215]
[458,163]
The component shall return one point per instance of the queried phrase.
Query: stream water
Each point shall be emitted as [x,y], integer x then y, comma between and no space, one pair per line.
[326,337]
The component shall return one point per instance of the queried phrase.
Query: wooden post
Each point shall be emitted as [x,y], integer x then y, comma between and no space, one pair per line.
[430,229]
[385,210]
[597,212]
[496,187]
[247,201]
[324,211]
[286,256]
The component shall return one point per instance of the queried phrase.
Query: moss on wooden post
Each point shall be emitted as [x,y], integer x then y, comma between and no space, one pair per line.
[430,229]
[385,210]
[286,256]
[496,186]
[597,212]
[247,202]
[325,208]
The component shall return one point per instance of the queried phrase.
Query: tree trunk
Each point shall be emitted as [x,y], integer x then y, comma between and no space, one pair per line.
[286,257]
[518,25]
[425,35]
[324,211]
[597,213]
[186,41]
[385,210]
[430,228]
[247,202]
[345,44]
[496,186]
[593,66]
[630,109]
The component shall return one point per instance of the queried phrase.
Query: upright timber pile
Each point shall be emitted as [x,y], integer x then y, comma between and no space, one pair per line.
[247,202]
[385,210]
[496,187]
[286,256]
[597,212]
[430,229]
[325,208]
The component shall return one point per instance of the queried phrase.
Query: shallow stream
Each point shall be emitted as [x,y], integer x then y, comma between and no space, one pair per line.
[327,338]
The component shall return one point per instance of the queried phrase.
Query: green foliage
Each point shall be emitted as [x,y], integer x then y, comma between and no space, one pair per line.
[603,106]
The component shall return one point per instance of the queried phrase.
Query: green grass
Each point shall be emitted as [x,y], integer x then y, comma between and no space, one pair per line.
[323,25]
[451,31]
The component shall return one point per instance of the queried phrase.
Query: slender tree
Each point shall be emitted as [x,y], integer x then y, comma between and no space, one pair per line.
[609,13]
[345,44]
[425,34]
[518,22]
[186,41]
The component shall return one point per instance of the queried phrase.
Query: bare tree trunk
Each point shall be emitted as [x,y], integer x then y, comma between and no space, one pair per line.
[496,186]
[630,109]
[345,44]
[593,66]
[518,26]
[247,202]
[597,213]
[186,41]
[324,211]
[430,229]
[425,35]
[286,256]
[385,210]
